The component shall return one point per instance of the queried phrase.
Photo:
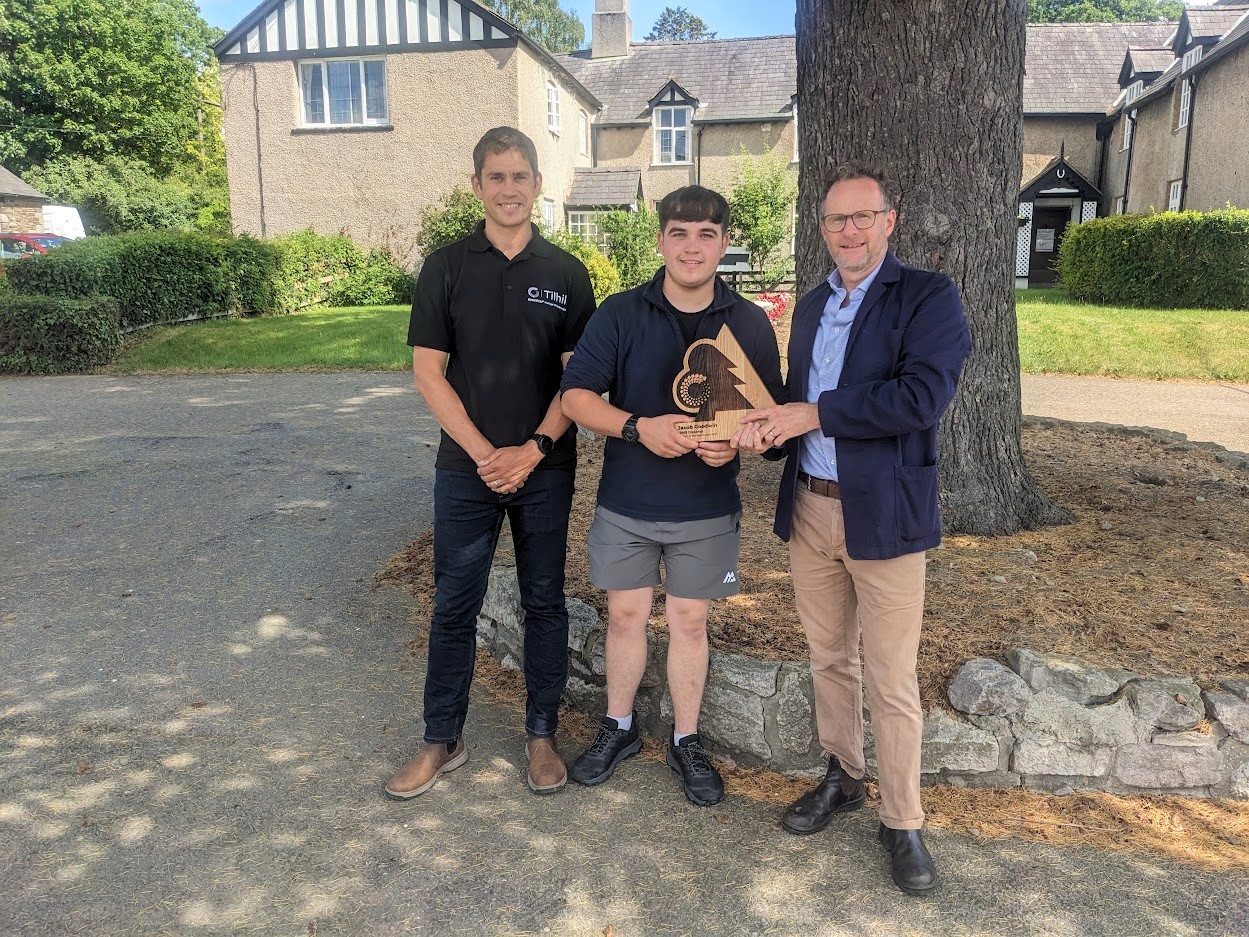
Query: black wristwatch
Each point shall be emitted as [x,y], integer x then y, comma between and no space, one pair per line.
[629,432]
[545,443]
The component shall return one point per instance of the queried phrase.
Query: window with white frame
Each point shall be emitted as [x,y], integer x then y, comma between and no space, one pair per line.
[795,133]
[1186,104]
[1174,193]
[1119,205]
[1129,117]
[553,122]
[1191,58]
[585,225]
[672,134]
[548,213]
[343,93]
[583,133]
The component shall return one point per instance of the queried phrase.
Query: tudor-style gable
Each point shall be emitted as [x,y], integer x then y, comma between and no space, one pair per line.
[319,28]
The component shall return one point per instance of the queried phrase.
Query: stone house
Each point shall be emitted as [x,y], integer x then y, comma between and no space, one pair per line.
[21,205]
[354,115]
[1180,124]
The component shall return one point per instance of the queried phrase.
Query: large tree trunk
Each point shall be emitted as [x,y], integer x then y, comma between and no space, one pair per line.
[932,92]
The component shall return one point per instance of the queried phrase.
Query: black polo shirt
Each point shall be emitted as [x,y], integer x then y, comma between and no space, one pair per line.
[504,324]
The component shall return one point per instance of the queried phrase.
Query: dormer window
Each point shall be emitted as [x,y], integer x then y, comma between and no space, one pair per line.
[1134,91]
[1191,58]
[1129,116]
[672,134]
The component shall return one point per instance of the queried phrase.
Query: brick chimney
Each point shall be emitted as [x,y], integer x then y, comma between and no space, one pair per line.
[610,29]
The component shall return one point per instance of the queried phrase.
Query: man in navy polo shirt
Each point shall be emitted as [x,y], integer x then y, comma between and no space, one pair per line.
[874,359]
[663,498]
[495,318]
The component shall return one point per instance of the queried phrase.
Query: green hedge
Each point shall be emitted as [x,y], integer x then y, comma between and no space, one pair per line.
[166,276]
[157,276]
[52,334]
[1169,260]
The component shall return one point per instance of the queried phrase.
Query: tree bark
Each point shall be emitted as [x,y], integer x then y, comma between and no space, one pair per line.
[932,92]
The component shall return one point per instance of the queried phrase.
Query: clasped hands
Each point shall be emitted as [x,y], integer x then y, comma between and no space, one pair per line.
[507,468]
[765,429]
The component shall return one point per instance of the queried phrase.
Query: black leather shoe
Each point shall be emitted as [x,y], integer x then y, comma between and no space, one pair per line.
[911,863]
[702,782]
[837,793]
[611,746]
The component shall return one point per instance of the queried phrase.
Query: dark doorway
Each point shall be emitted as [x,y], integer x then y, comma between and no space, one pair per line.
[1048,225]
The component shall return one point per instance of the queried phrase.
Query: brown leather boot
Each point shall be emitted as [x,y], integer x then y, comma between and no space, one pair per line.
[547,772]
[419,774]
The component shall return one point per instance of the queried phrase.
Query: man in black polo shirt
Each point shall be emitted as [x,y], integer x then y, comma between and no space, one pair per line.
[495,318]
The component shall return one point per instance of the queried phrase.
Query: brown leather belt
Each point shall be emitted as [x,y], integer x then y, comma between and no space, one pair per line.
[820,486]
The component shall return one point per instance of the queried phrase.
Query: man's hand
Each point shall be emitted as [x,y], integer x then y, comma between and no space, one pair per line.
[715,454]
[749,438]
[506,469]
[778,425]
[659,435]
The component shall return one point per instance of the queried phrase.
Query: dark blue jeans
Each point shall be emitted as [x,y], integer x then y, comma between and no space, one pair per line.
[467,519]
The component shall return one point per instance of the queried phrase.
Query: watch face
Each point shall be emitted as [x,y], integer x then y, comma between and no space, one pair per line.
[629,432]
[545,443]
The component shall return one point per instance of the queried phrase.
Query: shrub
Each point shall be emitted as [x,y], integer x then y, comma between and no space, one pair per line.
[376,281]
[158,276]
[604,277]
[52,334]
[761,212]
[455,218]
[1168,260]
[776,304]
[631,237]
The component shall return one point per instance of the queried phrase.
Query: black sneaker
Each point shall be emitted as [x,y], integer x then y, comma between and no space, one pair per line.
[611,746]
[702,782]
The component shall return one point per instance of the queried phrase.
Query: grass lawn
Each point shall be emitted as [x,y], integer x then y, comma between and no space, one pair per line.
[1058,335]
[372,338]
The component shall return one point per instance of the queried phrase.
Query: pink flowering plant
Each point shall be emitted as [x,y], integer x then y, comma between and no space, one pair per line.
[775,304]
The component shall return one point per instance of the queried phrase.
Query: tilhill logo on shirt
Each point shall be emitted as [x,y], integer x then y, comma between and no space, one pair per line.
[548,298]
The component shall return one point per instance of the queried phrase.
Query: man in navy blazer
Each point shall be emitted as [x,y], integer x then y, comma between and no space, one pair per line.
[874,359]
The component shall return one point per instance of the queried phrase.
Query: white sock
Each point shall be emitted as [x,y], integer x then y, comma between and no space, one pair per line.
[623,723]
[677,736]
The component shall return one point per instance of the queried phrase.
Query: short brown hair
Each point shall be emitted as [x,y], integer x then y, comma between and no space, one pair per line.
[500,140]
[693,203]
[845,173]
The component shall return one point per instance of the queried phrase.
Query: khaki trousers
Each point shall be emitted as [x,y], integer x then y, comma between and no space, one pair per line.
[838,600]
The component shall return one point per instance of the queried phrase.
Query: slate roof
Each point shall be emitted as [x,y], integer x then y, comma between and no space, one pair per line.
[1073,68]
[1212,22]
[734,79]
[11,185]
[604,186]
[1235,37]
[1146,61]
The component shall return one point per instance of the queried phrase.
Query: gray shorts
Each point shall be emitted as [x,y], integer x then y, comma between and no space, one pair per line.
[699,557]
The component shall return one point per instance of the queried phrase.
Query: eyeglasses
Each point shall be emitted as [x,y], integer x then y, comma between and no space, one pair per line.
[862,220]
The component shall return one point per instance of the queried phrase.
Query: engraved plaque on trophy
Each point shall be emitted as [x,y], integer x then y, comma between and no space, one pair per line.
[717,387]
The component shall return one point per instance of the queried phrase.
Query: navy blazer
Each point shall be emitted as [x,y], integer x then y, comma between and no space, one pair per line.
[906,349]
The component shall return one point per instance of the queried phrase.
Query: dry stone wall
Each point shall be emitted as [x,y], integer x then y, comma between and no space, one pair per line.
[1042,721]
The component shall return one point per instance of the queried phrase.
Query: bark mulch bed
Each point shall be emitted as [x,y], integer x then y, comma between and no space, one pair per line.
[1152,576]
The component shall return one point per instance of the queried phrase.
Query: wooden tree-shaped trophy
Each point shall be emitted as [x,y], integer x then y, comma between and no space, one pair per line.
[718,386]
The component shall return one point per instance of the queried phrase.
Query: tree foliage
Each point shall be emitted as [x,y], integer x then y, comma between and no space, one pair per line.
[677,24]
[761,213]
[101,78]
[543,21]
[449,221]
[631,240]
[1103,11]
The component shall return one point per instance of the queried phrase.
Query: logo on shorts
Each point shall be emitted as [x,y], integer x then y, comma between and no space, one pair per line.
[730,576]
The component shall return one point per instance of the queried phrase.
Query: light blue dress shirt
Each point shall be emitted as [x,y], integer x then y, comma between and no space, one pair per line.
[828,355]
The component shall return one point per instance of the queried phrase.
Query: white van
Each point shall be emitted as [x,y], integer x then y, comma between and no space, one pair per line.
[63,220]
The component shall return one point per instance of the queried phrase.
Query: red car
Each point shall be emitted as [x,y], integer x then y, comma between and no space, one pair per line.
[13,246]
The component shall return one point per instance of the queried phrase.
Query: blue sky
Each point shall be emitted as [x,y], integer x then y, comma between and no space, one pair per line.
[729,18]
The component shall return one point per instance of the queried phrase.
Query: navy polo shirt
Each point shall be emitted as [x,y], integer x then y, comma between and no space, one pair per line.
[505,325]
